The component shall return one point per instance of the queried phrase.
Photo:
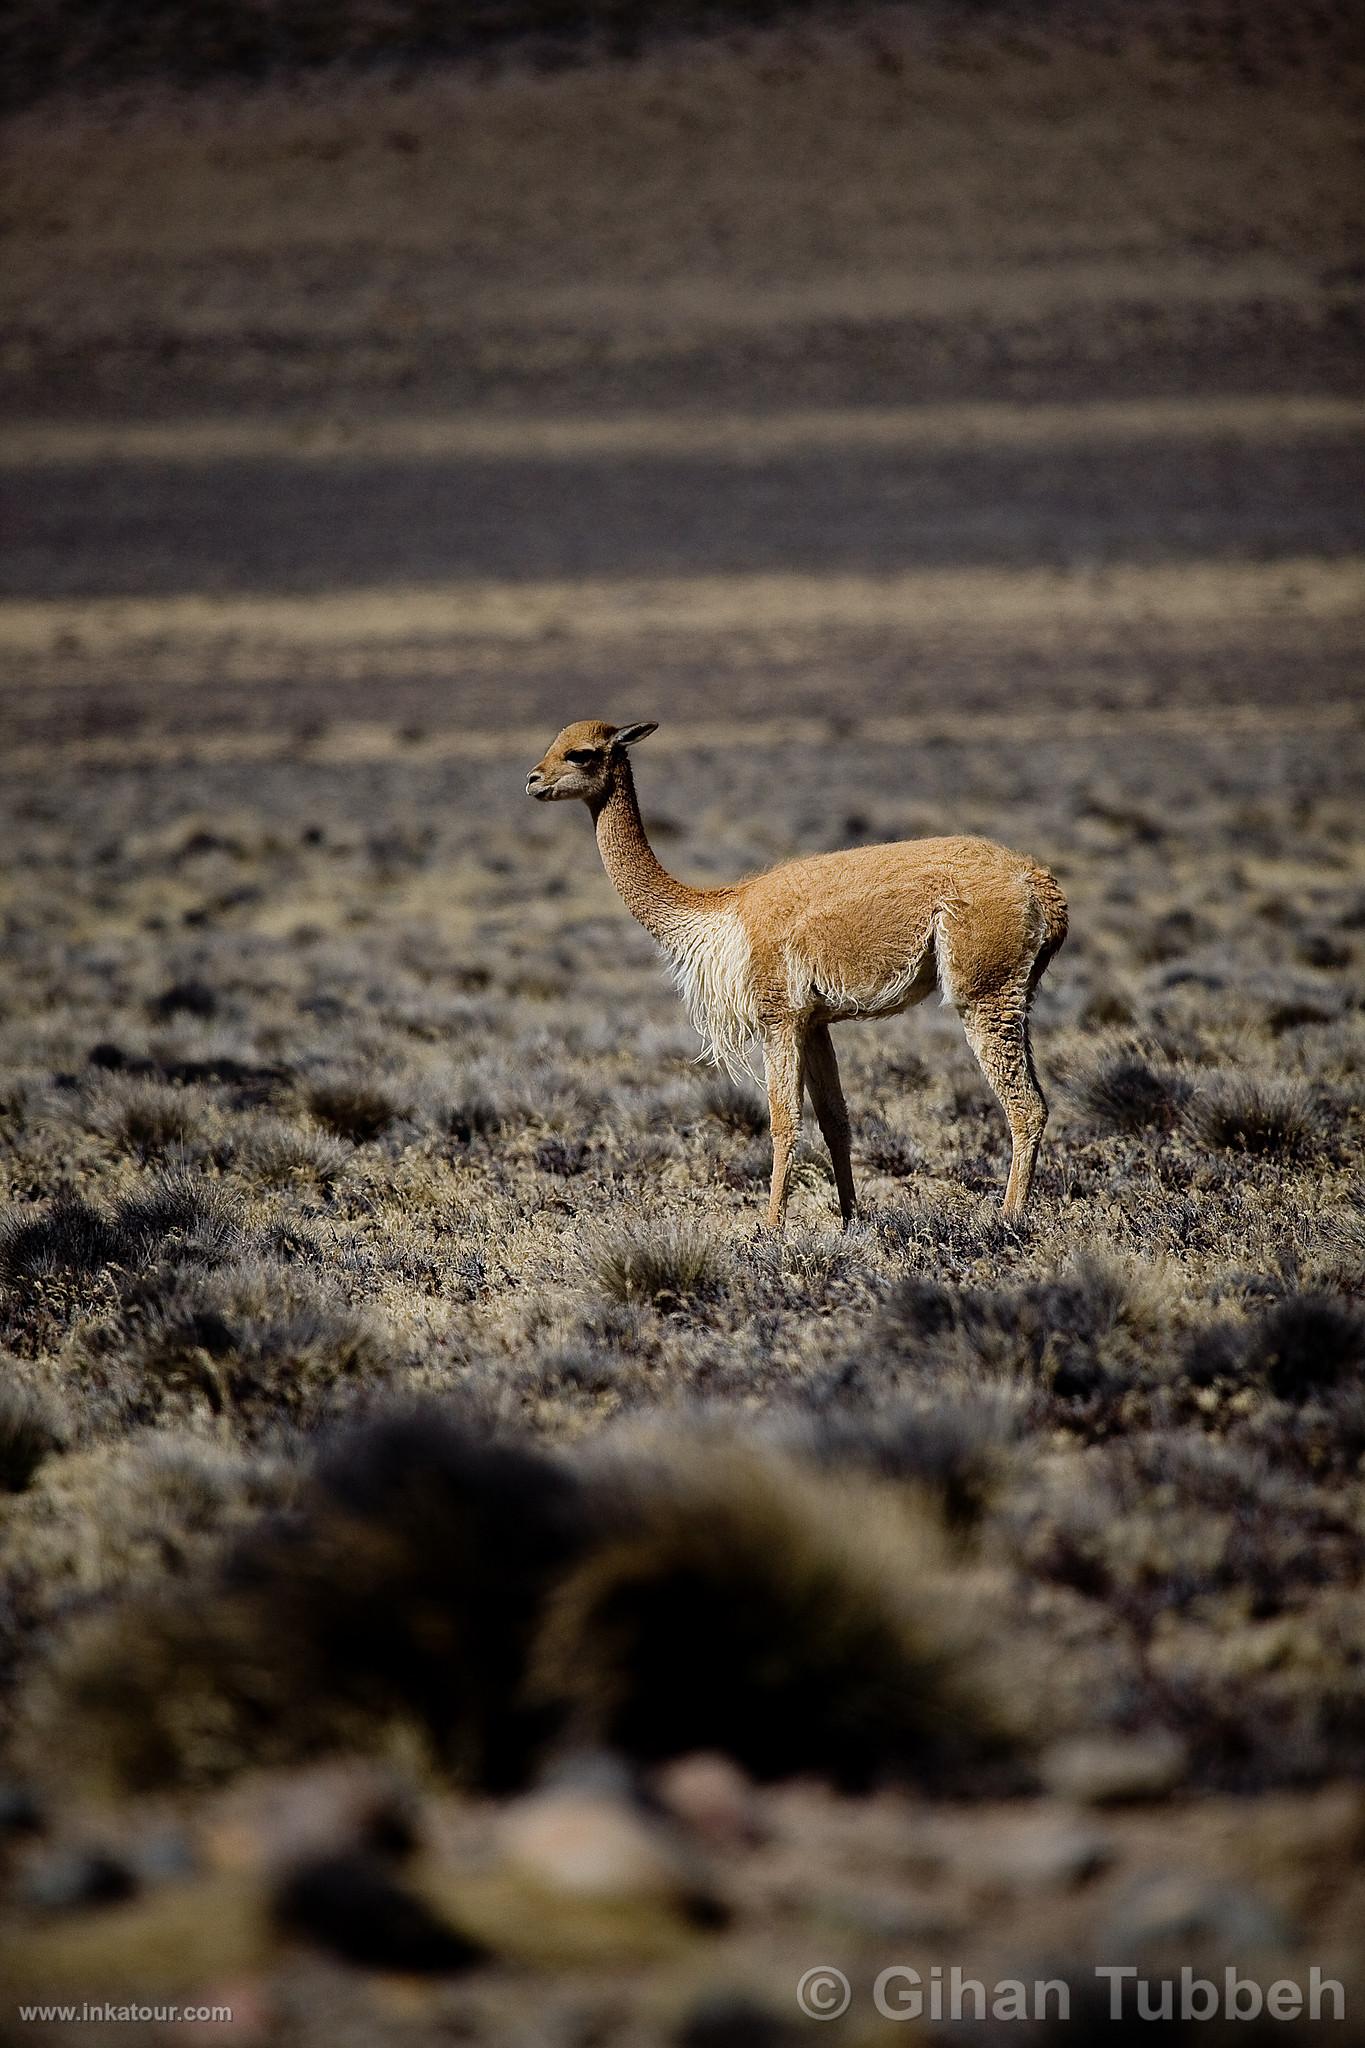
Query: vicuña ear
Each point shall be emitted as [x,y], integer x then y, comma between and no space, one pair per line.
[626,735]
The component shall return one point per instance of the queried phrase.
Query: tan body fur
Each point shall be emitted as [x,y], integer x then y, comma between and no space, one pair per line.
[817,941]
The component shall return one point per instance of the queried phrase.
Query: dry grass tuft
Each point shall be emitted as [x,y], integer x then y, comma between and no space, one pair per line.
[1307,1345]
[263,1342]
[735,1107]
[739,1602]
[663,1260]
[356,1107]
[1264,1116]
[1126,1092]
[30,1431]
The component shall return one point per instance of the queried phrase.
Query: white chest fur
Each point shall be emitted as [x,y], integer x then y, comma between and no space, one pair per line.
[711,961]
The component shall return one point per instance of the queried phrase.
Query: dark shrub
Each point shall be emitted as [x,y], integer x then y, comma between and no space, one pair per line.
[355,1909]
[1294,1014]
[267,1344]
[736,1602]
[181,1216]
[949,1445]
[661,1259]
[356,1108]
[1307,1344]
[173,1216]
[1127,1093]
[412,1587]
[1216,1351]
[29,1432]
[185,998]
[562,1156]
[736,1107]
[1249,1113]
[402,1592]
[69,1237]
[885,1150]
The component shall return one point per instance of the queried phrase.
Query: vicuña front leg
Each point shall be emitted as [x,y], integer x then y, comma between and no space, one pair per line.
[831,1111]
[782,1060]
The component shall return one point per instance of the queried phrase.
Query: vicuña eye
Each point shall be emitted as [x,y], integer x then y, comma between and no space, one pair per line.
[580,756]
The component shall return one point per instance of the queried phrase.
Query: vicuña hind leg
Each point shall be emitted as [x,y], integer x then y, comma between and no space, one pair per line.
[831,1111]
[997,1032]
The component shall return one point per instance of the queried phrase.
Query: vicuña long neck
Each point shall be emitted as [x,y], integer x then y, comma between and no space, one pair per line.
[642,882]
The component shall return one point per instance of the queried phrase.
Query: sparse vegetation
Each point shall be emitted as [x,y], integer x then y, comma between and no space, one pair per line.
[1267,1115]
[663,1260]
[441,1533]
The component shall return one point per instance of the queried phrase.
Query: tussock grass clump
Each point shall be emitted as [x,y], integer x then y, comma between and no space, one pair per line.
[183,1217]
[173,1215]
[148,1118]
[1307,1345]
[478,1113]
[70,1236]
[738,1602]
[262,1341]
[883,1149]
[190,998]
[664,1260]
[735,1107]
[1296,1013]
[356,1106]
[494,1603]
[951,1445]
[402,1594]
[29,1433]
[563,1157]
[1082,1336]
[1127,1092]
[933,1232]
[100,1524]
[275,1153]
[1263,1115]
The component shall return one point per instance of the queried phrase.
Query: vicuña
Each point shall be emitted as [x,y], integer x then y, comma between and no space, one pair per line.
[818,941]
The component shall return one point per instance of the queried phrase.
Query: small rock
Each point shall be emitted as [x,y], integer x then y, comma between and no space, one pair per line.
[1103,1770]
[710,1794]
[163,1856]
[1170,1910]
[888,1916]
[274,1818]
[591,1846]
[1045,1853]
[20,1813]
[71,1877]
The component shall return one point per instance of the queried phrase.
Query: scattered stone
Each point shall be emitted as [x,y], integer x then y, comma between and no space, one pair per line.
[1168,1909]
[888,1916]
[1104,1770]
[20,1813]
[712,1796]
[70,1877]
[1044,1853]
[591,1846]
[285,1817]
[163,1856]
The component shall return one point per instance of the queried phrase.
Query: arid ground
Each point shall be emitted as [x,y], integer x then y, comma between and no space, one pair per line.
[462,1579]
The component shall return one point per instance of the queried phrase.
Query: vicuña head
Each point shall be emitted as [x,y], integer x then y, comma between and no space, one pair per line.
[582,760]
[828,938]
